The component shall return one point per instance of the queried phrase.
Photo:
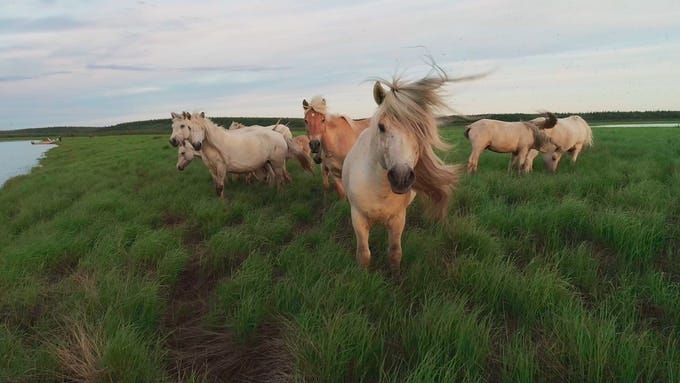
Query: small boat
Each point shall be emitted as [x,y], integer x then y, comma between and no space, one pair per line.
[47,141]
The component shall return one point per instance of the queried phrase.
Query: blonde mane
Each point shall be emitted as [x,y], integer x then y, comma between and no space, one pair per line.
[318,104]
[412,106]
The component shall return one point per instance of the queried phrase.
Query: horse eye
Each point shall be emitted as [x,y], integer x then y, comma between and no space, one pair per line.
[382,128]
[323,120]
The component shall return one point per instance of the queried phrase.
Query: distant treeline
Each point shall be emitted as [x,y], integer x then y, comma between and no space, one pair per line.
[162,126]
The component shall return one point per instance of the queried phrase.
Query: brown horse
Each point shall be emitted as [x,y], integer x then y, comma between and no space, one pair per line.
[331,136]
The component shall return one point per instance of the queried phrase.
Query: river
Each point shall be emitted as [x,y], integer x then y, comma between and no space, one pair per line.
[18,157]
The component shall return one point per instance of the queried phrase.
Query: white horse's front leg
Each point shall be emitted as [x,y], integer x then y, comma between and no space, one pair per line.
[362,228]
[395,228]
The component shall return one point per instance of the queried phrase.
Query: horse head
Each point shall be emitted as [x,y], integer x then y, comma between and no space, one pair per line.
[315,121]
[185,154]
[397,147]
[180,131]
[195,129]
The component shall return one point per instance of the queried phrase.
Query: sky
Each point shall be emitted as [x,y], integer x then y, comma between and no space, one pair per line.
[99,63]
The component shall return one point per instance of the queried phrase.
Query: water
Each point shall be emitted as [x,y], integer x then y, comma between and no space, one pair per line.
[18,157]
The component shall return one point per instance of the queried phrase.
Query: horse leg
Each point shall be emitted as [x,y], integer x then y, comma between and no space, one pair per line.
[473,160]
[522,160]
[324,174]
[271,174]
[395,228]
[362,228]
[529,164]
[339,187]
[575,153]
[513,160]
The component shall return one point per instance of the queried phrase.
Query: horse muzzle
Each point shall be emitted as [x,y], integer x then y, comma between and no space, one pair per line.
[315,146]
[401,178]
[181,167]
[174,142]
[197,145]
[317,158]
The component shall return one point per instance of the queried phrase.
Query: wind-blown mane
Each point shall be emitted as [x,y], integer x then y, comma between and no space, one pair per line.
[412,106]
[318,104]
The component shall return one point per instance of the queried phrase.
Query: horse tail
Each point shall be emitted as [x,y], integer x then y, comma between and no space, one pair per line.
[295,150]
[549,122]
[589,133]
[466,133]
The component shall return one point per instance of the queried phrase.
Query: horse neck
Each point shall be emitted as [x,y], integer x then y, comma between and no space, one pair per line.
[339,137]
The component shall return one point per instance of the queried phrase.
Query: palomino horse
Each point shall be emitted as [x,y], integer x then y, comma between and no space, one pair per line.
[393,159]
[570,134]
[331,136]
[241,152]
[509,137]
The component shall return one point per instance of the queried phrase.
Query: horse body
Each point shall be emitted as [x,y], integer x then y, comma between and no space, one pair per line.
[295,150]
[393,159]
[570,134]
[509,137]
[331,137]
[280,128]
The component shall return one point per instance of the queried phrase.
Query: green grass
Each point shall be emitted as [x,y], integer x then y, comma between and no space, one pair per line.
[114,266]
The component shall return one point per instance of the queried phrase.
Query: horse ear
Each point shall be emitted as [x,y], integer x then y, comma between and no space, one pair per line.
[378,93]
[188,116]
[184,115]
[202,114]
[174,115]
[305,104]
[324,101]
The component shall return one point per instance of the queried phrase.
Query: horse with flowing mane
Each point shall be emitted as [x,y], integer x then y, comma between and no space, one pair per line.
[570,134]
[510,137]
[331,136]
[394,158]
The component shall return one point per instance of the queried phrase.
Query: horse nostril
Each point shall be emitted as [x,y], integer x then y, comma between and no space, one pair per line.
[173,142]
[391,176]
[411,177]
[196,145]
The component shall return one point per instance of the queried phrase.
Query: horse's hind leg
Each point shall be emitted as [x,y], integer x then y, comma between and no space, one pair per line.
[362,227]
[473,160]
[395,228]
[271,175]
[575,153]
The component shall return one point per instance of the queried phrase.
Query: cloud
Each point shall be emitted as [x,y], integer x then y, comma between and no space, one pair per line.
[116,67]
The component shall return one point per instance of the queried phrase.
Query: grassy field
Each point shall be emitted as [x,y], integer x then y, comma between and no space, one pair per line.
[115,267]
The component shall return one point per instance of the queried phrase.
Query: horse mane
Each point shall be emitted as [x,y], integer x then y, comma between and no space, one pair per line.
[412,106]
[318,104]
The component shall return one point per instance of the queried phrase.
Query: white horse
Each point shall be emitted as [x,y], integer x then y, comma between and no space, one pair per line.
[295,151]
[570,134]
[281,128]
[241,152]
[393,158]
[509,137]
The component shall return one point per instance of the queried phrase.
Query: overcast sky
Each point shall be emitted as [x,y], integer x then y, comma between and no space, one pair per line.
[105,62]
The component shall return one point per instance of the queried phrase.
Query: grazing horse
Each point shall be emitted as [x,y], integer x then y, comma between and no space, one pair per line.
[393,159]
[570,134]
[212,160]
[244,152]
[331,136]
[509,137]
